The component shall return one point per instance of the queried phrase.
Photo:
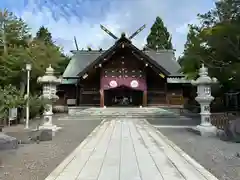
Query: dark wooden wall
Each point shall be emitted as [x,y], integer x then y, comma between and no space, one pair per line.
[64,92]
[124,59]
[89,93]
[162,93]
[158,91]
[155,88]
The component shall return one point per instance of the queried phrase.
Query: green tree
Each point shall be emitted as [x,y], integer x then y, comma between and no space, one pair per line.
[159,37]
[62,65]
[216,43]
[13,32]
[44,35]
[20,47]
[14,35]
[10,97]
[191,59]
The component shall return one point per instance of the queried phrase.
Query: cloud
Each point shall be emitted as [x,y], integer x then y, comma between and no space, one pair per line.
[81,18]
[185,27]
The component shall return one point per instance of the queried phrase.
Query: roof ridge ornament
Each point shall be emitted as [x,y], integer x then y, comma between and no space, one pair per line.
[123,34]
[75,41]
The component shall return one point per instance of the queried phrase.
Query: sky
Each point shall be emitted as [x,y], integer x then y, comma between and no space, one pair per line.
[82,18]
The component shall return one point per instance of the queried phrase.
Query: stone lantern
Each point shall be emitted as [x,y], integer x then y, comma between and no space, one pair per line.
[49,82]
[204,98]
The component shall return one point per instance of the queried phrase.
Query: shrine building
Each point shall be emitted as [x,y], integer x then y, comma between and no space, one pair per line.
[123,75]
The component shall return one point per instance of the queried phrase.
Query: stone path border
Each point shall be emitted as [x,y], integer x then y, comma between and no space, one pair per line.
[123,149]
[189,159]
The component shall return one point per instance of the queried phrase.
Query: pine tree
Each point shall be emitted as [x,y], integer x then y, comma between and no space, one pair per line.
[44,35]
[159,37]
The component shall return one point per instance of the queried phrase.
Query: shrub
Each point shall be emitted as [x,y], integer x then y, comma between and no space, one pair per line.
[37,106]
[10,97]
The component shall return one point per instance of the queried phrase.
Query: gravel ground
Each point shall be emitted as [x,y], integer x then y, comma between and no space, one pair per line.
[220,158]
[36,161]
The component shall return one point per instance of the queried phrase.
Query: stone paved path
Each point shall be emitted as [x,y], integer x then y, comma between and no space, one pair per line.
[128,149]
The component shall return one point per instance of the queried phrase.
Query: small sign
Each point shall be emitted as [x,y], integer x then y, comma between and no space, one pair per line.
[71,101]
[12,114]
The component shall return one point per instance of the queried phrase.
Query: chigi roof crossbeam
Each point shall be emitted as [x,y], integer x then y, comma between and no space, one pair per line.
[130,37]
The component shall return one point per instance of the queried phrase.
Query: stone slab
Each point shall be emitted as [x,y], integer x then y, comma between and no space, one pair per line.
[205,131]
[41,135]
[123,149]
[8,142]
[28,136]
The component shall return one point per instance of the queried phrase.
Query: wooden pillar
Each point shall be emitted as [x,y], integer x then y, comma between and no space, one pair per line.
[77,95]
[80,95]
[101,98]
[144,98]
[182,98]
[166,93]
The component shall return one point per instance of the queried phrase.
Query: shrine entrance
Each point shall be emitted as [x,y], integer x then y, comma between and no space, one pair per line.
[123,96]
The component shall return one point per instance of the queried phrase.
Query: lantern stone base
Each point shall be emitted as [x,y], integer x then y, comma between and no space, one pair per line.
[52,127]
[206,131]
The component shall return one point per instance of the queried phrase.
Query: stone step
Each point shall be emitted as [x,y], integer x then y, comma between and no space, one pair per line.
[120,110]
[129,115]
[175,121]
[180,121]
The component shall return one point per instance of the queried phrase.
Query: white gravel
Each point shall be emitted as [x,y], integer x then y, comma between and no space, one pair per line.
[219,157]
[36,161]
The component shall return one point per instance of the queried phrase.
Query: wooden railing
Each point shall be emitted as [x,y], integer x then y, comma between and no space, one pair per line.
[221,120]
[90,91]
[156,98]
[175,99]
[156,90]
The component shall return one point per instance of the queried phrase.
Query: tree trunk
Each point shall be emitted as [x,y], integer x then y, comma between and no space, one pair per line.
[22,87]
[4,40]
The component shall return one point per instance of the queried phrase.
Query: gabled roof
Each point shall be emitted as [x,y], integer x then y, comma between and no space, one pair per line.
[79,61]
[166,59]
[83,60]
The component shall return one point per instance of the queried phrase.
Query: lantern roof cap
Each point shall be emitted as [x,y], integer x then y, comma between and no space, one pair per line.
[49,70]
[203,78]
[49,77]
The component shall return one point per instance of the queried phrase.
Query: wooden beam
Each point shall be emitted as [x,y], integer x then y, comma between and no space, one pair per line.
[80,95]
[77,95]
[71,78]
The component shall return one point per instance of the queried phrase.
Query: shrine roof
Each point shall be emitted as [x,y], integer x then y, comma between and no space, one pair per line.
[166,59]
[82,59]
[78,62]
